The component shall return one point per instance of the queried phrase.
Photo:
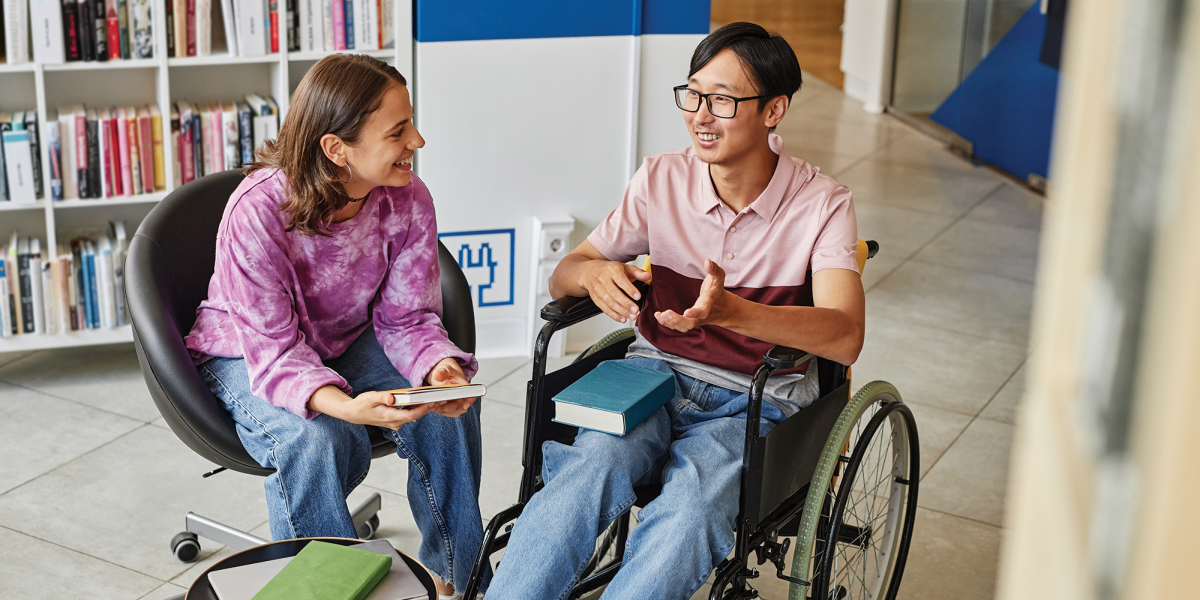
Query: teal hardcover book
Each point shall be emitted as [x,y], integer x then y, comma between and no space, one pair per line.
[613,398]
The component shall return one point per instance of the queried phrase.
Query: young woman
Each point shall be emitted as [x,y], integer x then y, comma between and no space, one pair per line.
[326,292]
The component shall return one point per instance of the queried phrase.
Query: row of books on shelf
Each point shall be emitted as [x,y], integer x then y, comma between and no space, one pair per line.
[117,151]
[82,288]
[100,30]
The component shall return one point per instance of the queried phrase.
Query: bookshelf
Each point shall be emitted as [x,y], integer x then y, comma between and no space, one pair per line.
[161,80]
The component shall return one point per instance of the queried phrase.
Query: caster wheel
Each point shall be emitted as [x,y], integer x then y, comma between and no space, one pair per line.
[366,531]
[185,546]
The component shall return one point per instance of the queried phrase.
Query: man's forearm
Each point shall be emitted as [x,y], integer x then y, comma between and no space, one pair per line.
[826,332]
[565,280]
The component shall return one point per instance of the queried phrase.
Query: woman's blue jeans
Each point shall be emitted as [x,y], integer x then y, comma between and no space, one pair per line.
[319,461]
[693,445]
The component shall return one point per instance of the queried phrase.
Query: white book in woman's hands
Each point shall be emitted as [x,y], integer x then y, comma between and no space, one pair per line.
[437,393]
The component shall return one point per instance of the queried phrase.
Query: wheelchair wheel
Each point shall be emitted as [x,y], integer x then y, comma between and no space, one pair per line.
[858,517]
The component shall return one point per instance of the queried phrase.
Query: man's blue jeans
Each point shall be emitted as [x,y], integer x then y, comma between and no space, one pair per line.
[694,445]
[318,462]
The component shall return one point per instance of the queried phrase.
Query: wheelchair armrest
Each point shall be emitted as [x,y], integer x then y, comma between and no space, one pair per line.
[782,357]
[569,310]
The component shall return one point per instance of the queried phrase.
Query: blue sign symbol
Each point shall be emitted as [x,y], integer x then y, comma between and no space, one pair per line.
[486,258]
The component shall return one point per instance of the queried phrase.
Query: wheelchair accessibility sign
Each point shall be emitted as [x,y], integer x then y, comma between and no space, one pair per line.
[486,258]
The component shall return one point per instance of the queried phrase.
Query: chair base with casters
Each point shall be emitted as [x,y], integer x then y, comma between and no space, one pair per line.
[167,272]
[841,475]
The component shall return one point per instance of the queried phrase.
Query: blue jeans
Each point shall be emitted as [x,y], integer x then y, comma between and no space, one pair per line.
[319,461]
[693,445]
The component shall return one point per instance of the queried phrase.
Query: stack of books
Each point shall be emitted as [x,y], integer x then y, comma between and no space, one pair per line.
[105,152]
[210,137]
[82,288]
[20,157]
[74,30]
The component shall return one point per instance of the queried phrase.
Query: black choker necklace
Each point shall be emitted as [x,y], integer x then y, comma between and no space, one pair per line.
[358,199]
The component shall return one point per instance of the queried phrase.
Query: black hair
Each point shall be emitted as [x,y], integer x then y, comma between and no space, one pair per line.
[766,57]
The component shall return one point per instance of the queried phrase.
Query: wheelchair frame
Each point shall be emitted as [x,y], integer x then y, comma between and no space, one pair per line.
[777,469]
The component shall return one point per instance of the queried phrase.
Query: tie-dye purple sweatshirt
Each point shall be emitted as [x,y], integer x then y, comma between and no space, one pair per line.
[284,301]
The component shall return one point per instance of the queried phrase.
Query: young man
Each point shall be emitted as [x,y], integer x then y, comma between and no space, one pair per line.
[732,225]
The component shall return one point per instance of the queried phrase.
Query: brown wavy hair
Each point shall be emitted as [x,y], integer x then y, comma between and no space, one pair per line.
[336,96]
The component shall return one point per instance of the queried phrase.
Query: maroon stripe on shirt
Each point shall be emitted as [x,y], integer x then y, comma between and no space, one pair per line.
[710,344]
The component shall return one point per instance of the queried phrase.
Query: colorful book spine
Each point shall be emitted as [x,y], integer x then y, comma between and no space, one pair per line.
[348,15]
[100,29]
[126,34]
[123,151]
[95,166]
[146,149]
[156,136]
[114,153]
[54,154]
[246,132]
[81,153]
[197,145]
[274,22]
[180,14]
[113,25]
[106,167]
[169,13]
[70,16]
[35,149]
[339,24]
[185,143]
[135,157]
[85,29]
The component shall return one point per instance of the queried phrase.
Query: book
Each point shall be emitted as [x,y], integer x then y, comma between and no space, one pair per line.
[178,26]
[327,571]
[66,137]
[16,31]
[185,142]
[5,307]
[245,132]
[25,289]
[18,166]
[348,15]
[80,150]
[197,147]
[85,29]
[113,25]
[177,171]
[169,21]
[54,154]
[70,16]
[35,151]
[145,148]
[273,24]
[206,137]
[203,27]
[125,35]
[614,397]
[104,122]
[94,166]
[80,291]
[13,267]
[437,393]
[293,26]
[120,246]
[156,141]
[49,297]
[231,146]
[143,35]
[366,25]
[89,284]
[36,300]
[122,129]
[47,25]
[242,582]
[113,152]
[66,290]
[312,26]
[327,24]
[229,24]
[339,24]
[105,286]
[251,39]
[99,11]
[387,24]
[5,125]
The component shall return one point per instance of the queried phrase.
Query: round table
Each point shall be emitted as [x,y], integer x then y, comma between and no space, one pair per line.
[202,590]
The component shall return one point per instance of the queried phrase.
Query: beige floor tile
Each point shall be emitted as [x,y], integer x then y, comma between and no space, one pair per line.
[833,104]
[855,138]
[106,377]
[936,429]
[33,569]
[11,357]
[971,477]
[918,150]
[934,367]
[510,390]
[878,268]
[41,432]
[1011,205]
[492,370]
[900,232]
[830,163]
[124,501]
[987,248]
[947,191]
[1005,406]
[985,306]
[166,591]
[950,559]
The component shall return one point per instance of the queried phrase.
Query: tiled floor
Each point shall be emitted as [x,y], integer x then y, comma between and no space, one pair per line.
[93,484]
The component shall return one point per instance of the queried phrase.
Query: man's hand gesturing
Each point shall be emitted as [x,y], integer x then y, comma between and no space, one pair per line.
[710,307]
[610,285]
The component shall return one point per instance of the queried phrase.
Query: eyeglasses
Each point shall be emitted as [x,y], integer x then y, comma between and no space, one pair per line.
[719,105]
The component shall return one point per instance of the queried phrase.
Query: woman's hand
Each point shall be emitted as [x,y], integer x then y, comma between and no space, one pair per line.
[367,408]
[448,372]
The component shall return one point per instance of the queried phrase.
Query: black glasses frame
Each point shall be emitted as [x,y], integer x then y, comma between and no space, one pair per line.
[708,102]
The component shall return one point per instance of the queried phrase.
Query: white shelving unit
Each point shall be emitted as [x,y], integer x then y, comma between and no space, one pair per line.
[160,80]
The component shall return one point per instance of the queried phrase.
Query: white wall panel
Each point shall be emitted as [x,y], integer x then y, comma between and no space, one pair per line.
[665,62]
[515,128]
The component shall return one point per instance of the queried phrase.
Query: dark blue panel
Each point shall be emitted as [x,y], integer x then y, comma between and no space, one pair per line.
[1005,107]
[459,20]
[676,16]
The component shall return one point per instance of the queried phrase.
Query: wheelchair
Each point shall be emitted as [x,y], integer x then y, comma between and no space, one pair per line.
[840,475]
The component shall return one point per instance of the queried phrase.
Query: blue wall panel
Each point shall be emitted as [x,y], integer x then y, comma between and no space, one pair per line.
[461,20]
[1005,107]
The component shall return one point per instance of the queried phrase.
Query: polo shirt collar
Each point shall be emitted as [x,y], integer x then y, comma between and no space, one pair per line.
[768,201]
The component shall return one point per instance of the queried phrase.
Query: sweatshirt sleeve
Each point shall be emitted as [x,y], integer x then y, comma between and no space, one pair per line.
[284,370]
[408,315]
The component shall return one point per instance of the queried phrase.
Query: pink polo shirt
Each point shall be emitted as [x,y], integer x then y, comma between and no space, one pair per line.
[802,222]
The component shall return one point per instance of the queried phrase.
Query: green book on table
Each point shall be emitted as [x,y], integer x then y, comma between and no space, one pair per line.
[614,397]
[324,571]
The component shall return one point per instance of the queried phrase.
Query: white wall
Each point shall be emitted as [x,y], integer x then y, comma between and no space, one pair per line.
[867,37]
